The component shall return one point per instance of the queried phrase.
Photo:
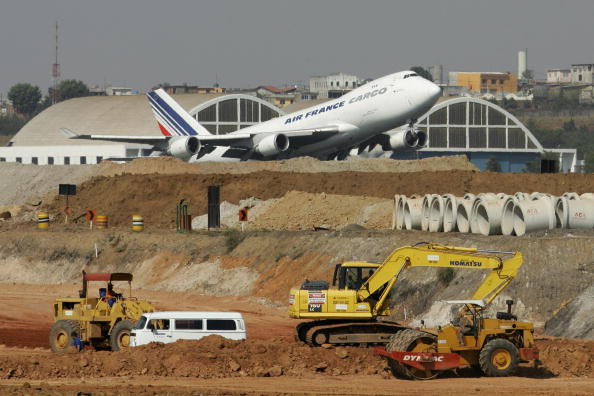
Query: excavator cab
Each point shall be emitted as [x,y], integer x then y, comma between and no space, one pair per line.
[352,275]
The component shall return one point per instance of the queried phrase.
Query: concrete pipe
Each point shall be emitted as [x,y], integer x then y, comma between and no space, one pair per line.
[534,214]
[520,196]
[394,210]
[488,215]
[571,195]
[398,213]
[474,226]
[427,200]
[587,196]
[436,214]
[580,213]
[473,220]
[464,211]
[450,213]
[561,211]
[507,216]
[413,212]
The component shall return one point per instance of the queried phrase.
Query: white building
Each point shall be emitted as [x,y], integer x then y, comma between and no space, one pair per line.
[558,76]
[582,73]
[332,85]
[70,155]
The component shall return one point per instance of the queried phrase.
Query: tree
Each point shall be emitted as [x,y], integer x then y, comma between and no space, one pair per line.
[10,124]
[421,71]
[589,162]
[24,98]
[511,104]
[493,165]
[569,125]
[527,75]
[69,89]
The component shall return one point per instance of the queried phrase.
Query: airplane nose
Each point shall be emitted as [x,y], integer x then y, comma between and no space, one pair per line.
[433,91]
[424,94]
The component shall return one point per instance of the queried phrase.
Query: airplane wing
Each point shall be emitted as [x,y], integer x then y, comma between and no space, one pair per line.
[297,138]
[153,140]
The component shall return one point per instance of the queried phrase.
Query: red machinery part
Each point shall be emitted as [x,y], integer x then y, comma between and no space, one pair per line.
[529,353]
[422,360]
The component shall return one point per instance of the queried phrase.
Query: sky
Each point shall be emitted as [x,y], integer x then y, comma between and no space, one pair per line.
[246,43]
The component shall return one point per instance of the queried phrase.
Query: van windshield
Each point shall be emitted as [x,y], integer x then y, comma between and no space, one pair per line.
[140,324]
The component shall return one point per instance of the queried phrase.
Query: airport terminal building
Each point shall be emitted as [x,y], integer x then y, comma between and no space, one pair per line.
[462,125]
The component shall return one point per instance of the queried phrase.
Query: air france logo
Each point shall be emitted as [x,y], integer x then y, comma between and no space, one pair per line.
[337,105]
[314,112]
[466,263]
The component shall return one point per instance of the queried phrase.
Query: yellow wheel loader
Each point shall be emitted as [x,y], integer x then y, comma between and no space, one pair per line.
[104,321]
[350,313]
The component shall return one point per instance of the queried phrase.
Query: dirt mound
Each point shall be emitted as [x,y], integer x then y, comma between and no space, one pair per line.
[217,357]
[154,196]
[567,357]
[170,166]
[302,211]
[33,182]
[211,357]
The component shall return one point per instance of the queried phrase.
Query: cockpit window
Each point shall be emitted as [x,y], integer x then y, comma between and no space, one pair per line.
[410,75]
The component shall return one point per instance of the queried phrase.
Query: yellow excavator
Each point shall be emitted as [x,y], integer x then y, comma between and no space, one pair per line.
[348,313]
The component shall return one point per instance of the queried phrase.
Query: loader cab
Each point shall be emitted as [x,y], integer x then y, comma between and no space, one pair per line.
[352,275]
[107,291]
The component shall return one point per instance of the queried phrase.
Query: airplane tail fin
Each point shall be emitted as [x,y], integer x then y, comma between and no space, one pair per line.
[172,119]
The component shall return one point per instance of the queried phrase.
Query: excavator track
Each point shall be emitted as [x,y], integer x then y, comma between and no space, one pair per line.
[338,332]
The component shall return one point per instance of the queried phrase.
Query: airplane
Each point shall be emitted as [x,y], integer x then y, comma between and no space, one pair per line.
[360,119]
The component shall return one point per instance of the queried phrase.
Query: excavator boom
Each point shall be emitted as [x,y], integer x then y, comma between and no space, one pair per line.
[504,267]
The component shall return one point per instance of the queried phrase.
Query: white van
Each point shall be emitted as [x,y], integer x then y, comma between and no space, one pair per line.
[186,325]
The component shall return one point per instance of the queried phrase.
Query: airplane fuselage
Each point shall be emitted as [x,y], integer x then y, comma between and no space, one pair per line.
[378,106]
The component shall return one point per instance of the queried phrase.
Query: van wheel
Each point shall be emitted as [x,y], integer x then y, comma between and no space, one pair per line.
[120,335]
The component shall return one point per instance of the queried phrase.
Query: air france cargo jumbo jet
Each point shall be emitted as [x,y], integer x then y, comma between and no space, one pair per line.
[361,119]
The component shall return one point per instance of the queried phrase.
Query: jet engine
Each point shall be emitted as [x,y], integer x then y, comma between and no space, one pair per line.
[399,140]
[272,144]
[421,138]
[183,147]
[405,139]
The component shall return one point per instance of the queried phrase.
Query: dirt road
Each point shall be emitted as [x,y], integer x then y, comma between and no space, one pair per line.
[312,385]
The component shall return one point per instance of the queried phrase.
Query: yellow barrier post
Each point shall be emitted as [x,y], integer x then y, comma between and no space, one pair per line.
[101,222]
[137,223]
[43,220]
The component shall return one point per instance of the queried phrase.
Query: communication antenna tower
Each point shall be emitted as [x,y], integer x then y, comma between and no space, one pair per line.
[55,71]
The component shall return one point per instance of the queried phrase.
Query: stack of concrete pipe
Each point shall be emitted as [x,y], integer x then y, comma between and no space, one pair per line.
[493,214]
